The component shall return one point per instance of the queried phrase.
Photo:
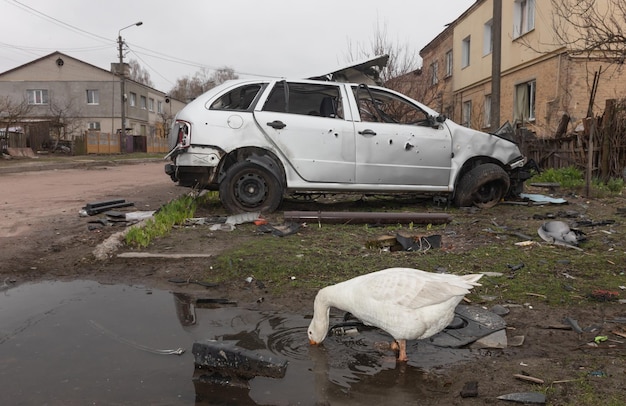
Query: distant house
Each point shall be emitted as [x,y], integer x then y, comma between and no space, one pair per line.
[541,80]
[64,97]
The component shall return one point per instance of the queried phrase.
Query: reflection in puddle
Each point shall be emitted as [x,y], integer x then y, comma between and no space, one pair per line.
[83,342]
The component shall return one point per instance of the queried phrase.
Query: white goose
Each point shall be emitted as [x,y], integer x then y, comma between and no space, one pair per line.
[407,303]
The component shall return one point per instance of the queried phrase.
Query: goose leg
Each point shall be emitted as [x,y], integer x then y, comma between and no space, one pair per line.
[402,355]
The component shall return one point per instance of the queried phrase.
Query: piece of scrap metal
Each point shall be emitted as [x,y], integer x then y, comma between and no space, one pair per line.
[366,217]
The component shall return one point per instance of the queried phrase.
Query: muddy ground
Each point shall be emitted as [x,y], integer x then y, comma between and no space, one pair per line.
[60,247]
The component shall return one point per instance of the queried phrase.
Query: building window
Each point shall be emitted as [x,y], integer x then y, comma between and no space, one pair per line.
[143,102]
[94,126]
[132,99]
[523,17]
[467,113]
[151,104]
[525,102]
[449,65]
[434,68]
[93,97]
[487,115]
[37,96]
[465,52]
[488,38]
[159,107]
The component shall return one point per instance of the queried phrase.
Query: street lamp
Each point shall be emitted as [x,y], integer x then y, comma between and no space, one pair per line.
[122,71]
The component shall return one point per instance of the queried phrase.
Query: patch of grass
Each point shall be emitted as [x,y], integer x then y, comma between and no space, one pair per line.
[573,178]
[173,213]
[325,255]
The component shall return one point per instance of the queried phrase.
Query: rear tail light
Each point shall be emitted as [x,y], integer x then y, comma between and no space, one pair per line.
[183,136]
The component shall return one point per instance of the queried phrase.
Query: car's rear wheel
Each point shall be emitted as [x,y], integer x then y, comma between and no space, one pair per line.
[248,187]
[483,186]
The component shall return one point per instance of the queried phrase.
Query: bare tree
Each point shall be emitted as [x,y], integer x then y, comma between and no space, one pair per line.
[588,27]
[139,74]
[403,71]
[403,59]
[65,121]
[188,88]
[11,113]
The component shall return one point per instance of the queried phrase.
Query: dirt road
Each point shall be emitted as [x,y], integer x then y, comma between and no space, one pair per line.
[39,210]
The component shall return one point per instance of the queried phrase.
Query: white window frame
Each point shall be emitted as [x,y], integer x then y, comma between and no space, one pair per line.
[487,115]
[94,126]
[523,17]
[467,113]
[93,96]
[159,106]
[143,102]
[150,104]
[465,51]
[449,63]
[132,99]
[488,38]
[37,96]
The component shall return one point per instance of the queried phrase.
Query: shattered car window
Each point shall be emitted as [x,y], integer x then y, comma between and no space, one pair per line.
[305,99]
[382,107]
[239,99]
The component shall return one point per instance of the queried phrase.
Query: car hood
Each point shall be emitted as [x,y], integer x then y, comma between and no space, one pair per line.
[367,71]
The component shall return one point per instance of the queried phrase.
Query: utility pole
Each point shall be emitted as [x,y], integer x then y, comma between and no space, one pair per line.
[122,73]
[496,64]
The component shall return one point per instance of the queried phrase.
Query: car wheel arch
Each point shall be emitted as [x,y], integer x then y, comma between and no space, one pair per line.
[470,180]
[259,156]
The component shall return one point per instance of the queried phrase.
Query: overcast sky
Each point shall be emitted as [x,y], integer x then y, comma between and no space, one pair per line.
[254,37]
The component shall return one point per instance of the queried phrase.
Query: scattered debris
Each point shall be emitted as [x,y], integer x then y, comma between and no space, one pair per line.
[529,378]
[574,324]
[516,267]
[602,295]
[282,230]
[551,186]
[366,217]
[161,255]
[493,340]
[500,310]
[180,281]
[403,242]
[223,362]
[177,351]
[242,218]
[525,397]
[99,207]
[516,341]
[542,199]
[559,233]
[470,390]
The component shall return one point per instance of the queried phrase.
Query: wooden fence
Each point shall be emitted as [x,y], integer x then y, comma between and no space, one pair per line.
[606,135]
[96,142]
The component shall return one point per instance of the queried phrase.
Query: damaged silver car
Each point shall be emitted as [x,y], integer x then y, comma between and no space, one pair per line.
[257,140]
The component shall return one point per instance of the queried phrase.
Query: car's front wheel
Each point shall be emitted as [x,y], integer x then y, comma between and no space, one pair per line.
[249,187]
[483,186]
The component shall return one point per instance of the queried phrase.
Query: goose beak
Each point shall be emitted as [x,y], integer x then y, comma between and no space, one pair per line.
[312,342]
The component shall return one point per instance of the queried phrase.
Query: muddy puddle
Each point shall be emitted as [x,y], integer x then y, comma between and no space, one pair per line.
[81,342]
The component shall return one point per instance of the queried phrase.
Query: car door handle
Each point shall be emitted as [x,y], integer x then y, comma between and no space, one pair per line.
[277,124]
[367,132]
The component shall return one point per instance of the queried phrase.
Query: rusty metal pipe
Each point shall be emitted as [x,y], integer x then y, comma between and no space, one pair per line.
[351,217]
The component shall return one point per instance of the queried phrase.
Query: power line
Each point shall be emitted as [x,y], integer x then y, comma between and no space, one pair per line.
[54,20]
